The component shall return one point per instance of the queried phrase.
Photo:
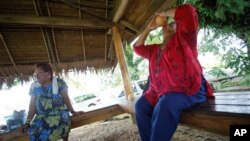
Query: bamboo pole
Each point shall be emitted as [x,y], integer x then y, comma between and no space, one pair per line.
[123,66]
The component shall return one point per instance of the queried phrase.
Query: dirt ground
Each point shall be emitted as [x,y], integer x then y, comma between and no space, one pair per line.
[120,128]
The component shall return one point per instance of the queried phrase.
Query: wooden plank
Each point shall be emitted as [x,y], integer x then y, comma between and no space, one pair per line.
[232,93]
[221,109]
[235,89]
[212,123]
[96,115]
[76,121]
[231,97]
[241,102]
[123,66]
[53,21]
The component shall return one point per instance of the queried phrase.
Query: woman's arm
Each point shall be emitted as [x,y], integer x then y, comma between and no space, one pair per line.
[31,114]
[68,103]
[151,26]
[32,109]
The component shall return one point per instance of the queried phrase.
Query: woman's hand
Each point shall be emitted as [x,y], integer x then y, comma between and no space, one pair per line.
[162,13]
[152,24]
[23,129]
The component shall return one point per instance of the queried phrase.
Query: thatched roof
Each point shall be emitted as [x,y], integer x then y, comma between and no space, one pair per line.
[69,34]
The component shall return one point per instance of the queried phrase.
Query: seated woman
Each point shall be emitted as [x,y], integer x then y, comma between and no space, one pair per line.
[48,117]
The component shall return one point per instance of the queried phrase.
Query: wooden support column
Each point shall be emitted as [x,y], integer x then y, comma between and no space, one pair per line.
[123,66]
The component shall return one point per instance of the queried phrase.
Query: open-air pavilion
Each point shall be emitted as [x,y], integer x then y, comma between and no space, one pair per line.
[73,35]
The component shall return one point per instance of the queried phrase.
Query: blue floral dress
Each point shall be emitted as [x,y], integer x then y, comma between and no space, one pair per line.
[52,120]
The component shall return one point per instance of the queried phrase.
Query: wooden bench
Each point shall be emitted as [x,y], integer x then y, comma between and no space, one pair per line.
[218,114]
[215,115]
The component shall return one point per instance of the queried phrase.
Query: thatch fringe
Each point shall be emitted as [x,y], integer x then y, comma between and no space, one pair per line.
[12,75]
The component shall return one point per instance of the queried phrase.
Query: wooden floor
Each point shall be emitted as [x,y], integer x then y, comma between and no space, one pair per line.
[215,115]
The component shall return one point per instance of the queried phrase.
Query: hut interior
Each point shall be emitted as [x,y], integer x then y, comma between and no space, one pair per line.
[68,34]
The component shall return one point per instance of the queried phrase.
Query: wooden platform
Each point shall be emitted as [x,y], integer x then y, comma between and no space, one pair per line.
[217,115]
[214,115]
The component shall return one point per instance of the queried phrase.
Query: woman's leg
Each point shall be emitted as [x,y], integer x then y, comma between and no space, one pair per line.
[143,113]
[167,112]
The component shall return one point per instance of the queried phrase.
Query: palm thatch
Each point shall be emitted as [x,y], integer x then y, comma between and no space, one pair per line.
[68,34]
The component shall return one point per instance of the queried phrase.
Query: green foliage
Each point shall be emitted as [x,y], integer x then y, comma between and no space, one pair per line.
[245,81]
[155,37]
[237,60]
[233,55]
[218,72]
[224,16]
[132,63]
[84,97]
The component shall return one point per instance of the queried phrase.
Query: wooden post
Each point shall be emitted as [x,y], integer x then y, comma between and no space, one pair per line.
[123,66]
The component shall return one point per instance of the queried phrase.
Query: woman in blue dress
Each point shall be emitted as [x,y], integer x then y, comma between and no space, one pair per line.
[48,117]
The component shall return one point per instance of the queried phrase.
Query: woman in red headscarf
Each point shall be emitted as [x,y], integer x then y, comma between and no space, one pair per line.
[176,79]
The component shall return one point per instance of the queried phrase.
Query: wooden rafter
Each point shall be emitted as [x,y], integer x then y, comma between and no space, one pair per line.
[54,41]
[53,21]
[8,52]
[105,46]
[129,25]
[25,62]
[53,35]
[82,37]
[105,34]
[37,9]
[119,13]
[77,6]
[110,55]
[46,46]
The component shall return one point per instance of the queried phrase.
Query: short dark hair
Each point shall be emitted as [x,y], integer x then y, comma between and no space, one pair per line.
[45,67]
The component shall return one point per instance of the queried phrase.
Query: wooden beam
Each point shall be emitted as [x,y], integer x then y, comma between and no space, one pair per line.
[8,52]
[82,37]
[53,34]
[110,54]
[213,123]
[53,21]
[54,41]
[96,115]
[105,47]
[120,11]
[105,34]
[38,13]
[123,66]
[129,25]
